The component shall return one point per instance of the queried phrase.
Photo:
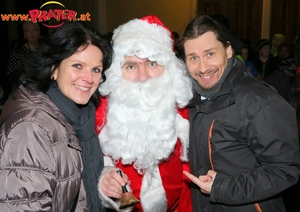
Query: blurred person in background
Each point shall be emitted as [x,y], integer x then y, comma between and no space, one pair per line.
[264,61]
[249,64]
[283,78]
[23,48]
[277,39]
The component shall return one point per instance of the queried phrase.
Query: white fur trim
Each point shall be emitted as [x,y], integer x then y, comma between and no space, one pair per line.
[138,37]
[182,128]
[153,195]
[105,200]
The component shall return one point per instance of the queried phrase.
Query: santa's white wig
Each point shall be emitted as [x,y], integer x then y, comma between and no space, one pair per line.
[142,122]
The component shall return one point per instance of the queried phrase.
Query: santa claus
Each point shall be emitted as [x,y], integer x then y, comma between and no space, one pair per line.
[143,133]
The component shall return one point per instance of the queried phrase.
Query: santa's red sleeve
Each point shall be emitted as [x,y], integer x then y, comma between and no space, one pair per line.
[185,202]
[101,112]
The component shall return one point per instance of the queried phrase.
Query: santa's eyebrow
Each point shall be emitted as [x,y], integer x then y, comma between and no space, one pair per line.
[129,63]
[132,63]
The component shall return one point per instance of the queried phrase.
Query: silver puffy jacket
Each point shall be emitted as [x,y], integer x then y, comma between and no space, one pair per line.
[40,157]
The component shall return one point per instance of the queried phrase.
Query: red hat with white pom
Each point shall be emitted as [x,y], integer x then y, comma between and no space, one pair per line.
[147,37]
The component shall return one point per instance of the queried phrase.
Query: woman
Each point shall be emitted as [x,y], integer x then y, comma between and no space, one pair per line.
[23,48]
[47,126]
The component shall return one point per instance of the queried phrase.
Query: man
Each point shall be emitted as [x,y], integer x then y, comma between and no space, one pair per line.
[283,79]
[145,84]
[243,140]
[264,62]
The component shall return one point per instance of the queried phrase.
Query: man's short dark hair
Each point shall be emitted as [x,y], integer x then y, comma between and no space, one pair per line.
[202,24]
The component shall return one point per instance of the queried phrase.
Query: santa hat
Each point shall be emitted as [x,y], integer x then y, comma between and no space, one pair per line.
[147,37]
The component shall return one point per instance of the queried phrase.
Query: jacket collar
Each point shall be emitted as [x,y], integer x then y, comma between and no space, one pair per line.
[41,101]
[225,97]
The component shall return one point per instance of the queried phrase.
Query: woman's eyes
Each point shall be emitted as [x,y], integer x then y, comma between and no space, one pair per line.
[76,66]
[97,70]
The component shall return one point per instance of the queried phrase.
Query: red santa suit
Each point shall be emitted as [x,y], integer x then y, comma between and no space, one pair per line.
[176,184]
[146,136]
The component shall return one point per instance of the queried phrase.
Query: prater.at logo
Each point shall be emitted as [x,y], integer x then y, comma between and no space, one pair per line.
[58,16]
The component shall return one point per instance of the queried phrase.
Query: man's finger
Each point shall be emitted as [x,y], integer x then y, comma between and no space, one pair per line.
[191,177]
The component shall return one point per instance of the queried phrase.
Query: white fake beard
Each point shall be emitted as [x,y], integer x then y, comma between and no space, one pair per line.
[140,126]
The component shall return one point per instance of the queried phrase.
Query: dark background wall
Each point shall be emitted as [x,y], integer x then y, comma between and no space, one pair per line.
[245,17]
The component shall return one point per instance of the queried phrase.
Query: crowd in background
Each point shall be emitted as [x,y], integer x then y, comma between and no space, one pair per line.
[275,61]
[271,60]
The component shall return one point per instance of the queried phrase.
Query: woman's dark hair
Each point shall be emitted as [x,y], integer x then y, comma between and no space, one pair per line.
[202,24]
[65,41]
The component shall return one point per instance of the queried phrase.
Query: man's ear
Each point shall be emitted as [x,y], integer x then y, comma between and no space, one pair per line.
[229,51]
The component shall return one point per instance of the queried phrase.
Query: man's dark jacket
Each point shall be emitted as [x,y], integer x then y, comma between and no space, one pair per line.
[247,133]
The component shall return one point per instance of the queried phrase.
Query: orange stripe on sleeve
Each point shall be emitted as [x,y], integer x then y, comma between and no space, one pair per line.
[209,145]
